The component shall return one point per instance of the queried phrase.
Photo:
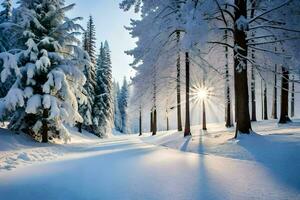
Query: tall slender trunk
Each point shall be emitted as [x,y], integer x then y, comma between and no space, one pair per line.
[167,116]
[253,99]
[45,127]
[240,72]
[140,122]
[179,121]
[265,103]
[203,116]
[274,109]
[284,104]
[253,84]
[151,120]
[187,128]
[228,121]
[293,98]
[154,122]
[154,107]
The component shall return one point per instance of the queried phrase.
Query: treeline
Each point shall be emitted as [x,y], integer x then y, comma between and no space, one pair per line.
[244,42]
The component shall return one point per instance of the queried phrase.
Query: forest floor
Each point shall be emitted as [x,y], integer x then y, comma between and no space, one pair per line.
[208,165]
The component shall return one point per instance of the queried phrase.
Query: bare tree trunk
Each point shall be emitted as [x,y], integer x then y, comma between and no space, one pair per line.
[154,107]
[140,122]
[253,84]
[203,116]
[45,127]
[240,72]
[274,109]
[154,122]
[151,120]
[253,99]
[179,121]
[228,121]
[284,104]
[293,98]
[79,125]
[167,115]
[265,103]
[187,129]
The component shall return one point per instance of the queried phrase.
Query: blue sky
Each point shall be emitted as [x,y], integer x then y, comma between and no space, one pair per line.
[110,22]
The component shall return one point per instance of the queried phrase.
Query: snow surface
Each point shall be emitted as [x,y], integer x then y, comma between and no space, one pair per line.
[265,166]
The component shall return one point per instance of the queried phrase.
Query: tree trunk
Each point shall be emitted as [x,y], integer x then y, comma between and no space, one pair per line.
[151,120]
[293,98]
[140,122]
[253,99]
[240,72]
[45,127]
[284,104]
[274,109]
[203,116]
[187,129]
[168,124]
[262,99]
[154,122]
[79,125]
[265,103]
[179,121]
[228,121]
[253,85]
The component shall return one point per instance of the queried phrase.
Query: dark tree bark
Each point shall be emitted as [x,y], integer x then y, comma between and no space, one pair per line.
[45,127]
[240,71]
[293,98]
[168,124]
[151,120]
[154,122]
[203,116]
[253,85]
[274,109]
[265,103]
[228,118]
[284,104]
[179,121]
[79,126]
[187,129]
[140,122]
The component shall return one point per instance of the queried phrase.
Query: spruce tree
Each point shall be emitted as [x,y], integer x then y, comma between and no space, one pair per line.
[103,108]
[123,104]
[48,83]
[117,115]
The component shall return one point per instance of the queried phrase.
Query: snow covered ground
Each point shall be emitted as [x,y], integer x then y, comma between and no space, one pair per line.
[261,166]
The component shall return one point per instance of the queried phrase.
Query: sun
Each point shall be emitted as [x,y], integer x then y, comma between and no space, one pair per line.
[201,93]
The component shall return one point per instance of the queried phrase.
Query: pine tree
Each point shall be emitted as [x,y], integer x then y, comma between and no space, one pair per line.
[117,114]
[86,110]
[103,108]
[123,103]
[48,85]
[91,40]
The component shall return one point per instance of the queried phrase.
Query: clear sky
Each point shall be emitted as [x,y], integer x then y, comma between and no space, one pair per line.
[110,22]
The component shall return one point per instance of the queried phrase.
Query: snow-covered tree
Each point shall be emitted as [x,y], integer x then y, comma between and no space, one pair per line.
[88,44]
[7,12]
[123,104]
[103,107]
[117,114]
[90,37]
[48,76]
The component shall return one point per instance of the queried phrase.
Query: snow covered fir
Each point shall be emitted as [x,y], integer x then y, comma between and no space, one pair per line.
[150,99]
